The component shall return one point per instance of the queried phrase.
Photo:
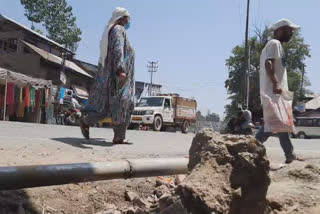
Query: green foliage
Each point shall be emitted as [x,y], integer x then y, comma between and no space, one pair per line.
[213,117]
[57,18]
[296,52]
[35,10]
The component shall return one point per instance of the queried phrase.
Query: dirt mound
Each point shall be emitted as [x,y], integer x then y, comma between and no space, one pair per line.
[83,198]
[295,188]
[229,174]
[307,174]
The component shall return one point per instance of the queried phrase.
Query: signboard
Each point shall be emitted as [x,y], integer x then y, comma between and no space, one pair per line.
[186,112]
[300,108]
[63,77]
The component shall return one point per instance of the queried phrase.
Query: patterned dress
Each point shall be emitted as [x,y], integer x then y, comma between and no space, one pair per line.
[108,96]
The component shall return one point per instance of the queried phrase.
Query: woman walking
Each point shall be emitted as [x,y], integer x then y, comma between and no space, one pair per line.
[112,94]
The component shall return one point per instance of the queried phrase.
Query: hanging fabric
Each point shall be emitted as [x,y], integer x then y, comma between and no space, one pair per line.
[2,92]
[27,97]
[16,94]
[1,101]
[43,97]
[10,93]
[20,111]
[32,97]
[16,98]
[10,98]
[38,98]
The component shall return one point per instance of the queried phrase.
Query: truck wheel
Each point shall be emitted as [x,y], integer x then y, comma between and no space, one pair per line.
[157,123]
[164,128]
[185,127]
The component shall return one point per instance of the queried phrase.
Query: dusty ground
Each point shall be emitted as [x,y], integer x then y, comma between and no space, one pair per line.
[84,198]
[296,186]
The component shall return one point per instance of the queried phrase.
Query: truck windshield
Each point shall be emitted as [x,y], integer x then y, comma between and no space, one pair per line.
[151,101]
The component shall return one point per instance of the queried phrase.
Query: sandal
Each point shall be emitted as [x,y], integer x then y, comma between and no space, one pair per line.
[84,129]
[122,141]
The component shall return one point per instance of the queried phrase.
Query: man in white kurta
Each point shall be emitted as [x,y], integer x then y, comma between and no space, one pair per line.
[273,81]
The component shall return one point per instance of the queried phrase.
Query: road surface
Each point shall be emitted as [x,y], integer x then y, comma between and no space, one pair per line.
[27,144]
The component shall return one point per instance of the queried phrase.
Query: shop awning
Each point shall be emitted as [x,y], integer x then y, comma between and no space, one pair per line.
[80,92]
[313,104]
[58,60]
[21,79]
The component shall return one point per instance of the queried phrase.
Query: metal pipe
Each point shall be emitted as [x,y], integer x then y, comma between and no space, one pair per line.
[18,177]
[158,167]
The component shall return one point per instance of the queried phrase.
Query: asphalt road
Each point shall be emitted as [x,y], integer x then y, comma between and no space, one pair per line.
[27,144]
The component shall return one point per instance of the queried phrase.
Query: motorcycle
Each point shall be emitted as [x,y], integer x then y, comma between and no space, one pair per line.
[240,125]
[72,117]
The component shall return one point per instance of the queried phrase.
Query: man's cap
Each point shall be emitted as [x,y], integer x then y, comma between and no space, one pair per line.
[284,22]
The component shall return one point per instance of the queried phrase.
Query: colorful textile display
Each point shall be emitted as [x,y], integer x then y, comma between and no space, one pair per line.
[32,97]
[10,98]
[38,98]
[27,97]
[20,111]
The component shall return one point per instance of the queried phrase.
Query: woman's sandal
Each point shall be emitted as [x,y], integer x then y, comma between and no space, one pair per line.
[123,141]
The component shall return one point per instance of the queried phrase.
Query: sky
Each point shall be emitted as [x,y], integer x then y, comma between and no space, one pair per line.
[190,39]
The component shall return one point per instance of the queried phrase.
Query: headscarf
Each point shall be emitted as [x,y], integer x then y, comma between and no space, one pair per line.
[118,13]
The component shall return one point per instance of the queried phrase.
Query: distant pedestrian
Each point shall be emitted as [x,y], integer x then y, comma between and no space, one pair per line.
[112,93]
[273,82]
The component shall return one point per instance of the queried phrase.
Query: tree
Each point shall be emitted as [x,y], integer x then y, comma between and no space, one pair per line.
[296,52]
[57,18]
[213,117]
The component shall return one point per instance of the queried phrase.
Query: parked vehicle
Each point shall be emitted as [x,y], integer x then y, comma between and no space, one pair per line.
[240,124]
[104,122]
[72,117]
[163,111]
[70,109]
[307,127]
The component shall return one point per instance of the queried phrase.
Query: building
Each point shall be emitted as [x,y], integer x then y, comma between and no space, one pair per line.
[143,89]
[311,108]
[39,59]
[25,51]
[88,67]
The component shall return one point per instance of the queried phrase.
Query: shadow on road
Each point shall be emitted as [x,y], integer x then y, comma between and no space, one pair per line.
[81,143]
[16,201]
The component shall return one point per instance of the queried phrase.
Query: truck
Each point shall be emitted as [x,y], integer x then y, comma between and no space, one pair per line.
[163,111]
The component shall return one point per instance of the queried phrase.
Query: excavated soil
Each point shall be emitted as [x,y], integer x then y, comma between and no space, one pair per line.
[228,175]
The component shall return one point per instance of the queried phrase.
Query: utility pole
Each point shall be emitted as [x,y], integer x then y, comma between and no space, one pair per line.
[247,64]
[302,80]
[248,80]
[152,67]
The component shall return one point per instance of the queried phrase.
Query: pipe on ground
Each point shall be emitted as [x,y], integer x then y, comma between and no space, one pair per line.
[18,177]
